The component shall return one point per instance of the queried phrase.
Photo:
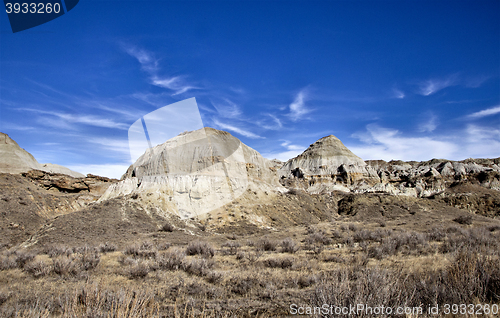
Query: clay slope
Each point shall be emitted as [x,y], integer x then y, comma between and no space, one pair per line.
[14,159]
[28,200]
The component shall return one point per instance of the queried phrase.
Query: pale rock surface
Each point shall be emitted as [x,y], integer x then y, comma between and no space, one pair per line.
[327,165]
[14,159]
[195,173]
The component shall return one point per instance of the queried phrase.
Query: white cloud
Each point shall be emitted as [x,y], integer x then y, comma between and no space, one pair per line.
[398,93]
[429,125]
[227,108]
[485,112]
[175,83]
[237,130]
[298,107]
[104,170]
[389,144]
[475,82]
[289,146]
[431,86]
[145,58]
[150,65]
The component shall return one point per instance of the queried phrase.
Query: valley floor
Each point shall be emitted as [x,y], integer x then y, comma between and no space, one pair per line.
[332,265]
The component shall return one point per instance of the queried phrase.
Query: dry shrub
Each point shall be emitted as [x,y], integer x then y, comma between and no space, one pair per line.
[58,249]
[170,260]
[273,262]
[200,248]
[38,268]
[66,265]
[7,262]
[4,296]
[140,269]
[475,239]
[266,244]
[242,285]
[464,219]
[163,246]
[89,260]
[333,259]
[436,234]
[107,247]
[307,281]
[86,249]
[145,250]
[214,277]
[15,259]
[289,246]
[318,238]
[230,247]
[198,267]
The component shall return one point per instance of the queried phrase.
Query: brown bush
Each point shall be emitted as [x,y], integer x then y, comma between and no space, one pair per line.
[464,219]
[38,268]
[198,267]
[58,249]
[89,260]
[275,262]
[200,248]
[289,246]
[266,244]
[170,260]
[230,247]
[107,247]
[66,265]
[138,270]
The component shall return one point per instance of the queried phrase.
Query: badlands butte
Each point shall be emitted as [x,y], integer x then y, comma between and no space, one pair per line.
[207,182]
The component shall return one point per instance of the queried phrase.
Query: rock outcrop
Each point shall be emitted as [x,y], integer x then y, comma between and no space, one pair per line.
[325,166]
[195,173]
[14,159]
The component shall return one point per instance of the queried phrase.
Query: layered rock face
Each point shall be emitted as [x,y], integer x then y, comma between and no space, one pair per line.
[14,159]
[428,178]
[195,173]
[325,166]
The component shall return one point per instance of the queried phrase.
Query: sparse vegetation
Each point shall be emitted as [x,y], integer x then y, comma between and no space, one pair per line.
[200,248]
[189,279]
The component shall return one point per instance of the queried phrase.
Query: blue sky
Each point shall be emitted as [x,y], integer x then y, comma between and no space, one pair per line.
[410,80]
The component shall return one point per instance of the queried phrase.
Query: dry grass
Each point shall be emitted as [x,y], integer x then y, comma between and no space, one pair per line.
[376,267]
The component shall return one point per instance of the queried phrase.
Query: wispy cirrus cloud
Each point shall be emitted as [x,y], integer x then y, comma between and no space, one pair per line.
[429,124]
[150,64]
[298,107]
[432,86]
[397,93]
[226,108]
[237,130]
[485,112]
[65,120]
[176,83]
[147,60]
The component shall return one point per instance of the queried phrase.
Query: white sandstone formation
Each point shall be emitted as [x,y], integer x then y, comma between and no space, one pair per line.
[195,173]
